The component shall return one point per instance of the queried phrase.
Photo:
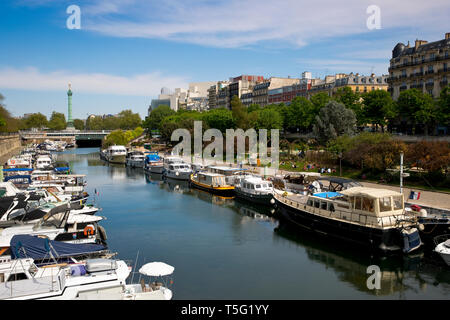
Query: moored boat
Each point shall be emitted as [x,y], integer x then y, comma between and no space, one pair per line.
[212,182]
[365,216]
[135,159]
[154,163]
[116,154]
[255,189]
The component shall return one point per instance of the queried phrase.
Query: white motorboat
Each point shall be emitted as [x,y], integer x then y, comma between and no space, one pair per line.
[443,248]
[116,154]
[255,189]
[43,162]
[92,279]
[178,171]
[135,159]
[154,163]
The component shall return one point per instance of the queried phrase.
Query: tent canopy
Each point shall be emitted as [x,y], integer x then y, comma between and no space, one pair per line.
[156,269]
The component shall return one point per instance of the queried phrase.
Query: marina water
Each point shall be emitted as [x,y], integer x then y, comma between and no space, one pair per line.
[225,249]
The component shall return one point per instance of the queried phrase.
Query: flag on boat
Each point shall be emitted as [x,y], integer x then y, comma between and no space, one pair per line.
[414,195]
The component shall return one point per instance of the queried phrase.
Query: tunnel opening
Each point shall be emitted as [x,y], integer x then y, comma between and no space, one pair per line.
[91,143]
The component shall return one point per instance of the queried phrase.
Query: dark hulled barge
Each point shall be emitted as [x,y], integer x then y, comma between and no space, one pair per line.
[365,216]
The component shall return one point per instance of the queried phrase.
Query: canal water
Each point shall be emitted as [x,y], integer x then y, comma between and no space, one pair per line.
[226,249]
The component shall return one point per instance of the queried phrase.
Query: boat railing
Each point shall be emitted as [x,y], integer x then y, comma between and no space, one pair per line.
[352,217]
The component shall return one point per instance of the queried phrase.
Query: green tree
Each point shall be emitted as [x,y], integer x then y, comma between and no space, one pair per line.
[128,120]
[154,120]
[36,120]
[351,100]
[379,108]
[320,100]
[57,121]
[221,119]
[334,120]
[443,105]
[269,119]
[418,107]
[300,114]
[117,137]
[240,114]
[94,123]
[78,124]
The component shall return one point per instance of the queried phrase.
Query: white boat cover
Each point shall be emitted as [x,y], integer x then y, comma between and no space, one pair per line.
[156,269]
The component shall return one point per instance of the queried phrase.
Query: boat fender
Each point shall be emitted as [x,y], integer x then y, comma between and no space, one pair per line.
[272,201]
[89,230]
[421,227]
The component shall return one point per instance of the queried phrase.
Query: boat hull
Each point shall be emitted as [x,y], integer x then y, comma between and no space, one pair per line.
[382,240]
[222,191]
[179,176]
[135,164]
[264,199]
[120,159]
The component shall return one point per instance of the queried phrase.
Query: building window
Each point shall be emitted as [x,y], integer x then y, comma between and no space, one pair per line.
[365,89]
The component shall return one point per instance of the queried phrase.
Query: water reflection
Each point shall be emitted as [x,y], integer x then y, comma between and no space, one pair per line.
[231,240]
[399,274]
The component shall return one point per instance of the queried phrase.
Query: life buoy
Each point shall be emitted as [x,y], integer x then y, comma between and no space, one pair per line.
[89,230]
[13,161]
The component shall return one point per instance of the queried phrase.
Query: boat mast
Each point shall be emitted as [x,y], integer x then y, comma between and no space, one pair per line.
[401,172]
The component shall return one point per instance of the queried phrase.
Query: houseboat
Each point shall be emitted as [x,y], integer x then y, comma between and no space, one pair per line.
[233,175]
[178,171]
[44,162]
[135,159]
[115,154]
[366,216]
[212,182]
[154,163]
[255,189]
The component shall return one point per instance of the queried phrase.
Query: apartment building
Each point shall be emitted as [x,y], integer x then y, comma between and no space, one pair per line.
[261,90]
[424,66]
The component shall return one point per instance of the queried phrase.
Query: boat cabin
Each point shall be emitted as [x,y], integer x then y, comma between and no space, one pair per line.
[256,185]
[211,179]
[367,206]
[116,150]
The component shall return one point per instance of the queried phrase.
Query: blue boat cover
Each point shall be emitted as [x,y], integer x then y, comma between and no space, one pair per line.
[26,246]
[328,194]
[17,169]
[27,177]
[152,158]
[62,169]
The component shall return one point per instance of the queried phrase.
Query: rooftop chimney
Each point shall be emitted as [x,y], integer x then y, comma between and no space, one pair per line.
[420,43]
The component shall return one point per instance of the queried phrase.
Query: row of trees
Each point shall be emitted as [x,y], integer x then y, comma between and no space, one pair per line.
[377,152]
[125,120]
[328,117]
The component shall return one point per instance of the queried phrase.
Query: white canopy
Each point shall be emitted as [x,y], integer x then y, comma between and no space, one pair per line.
[156,269]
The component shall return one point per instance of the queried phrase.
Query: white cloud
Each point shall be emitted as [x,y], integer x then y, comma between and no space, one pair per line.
[238,23]
[148,84]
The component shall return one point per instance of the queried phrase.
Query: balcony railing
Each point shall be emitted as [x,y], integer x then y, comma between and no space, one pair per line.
[429,84]
[443,83]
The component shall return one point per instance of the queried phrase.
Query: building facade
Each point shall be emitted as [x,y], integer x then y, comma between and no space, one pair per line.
[261,90]
[424,66]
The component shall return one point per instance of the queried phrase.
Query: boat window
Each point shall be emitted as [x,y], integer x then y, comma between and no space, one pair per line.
[317,203]
[270,185]
[323,205]
[309,203]
[258,186]
[358,203]
[385,204]
[398,202]
[367,205]
[17,276]
[330,207]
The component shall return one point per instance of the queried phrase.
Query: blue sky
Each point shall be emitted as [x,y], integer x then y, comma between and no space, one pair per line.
[126,50]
